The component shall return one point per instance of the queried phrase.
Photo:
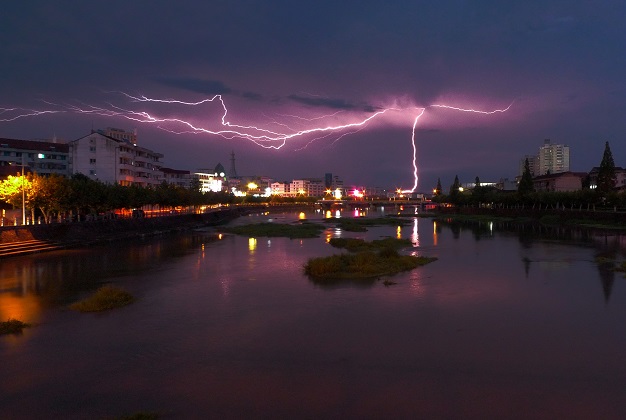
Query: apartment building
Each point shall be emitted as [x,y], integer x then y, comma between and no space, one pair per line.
[115,160]
[177,177]
[42,157]
[551,159]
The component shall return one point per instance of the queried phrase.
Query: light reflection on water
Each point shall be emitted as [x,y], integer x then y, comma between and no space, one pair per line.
[233,328]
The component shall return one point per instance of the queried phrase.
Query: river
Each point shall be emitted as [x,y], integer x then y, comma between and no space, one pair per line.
[503,325]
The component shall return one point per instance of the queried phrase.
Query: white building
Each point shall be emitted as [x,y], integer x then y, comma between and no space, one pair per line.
[110,160]
[551,159]
[280,188]
[210,181]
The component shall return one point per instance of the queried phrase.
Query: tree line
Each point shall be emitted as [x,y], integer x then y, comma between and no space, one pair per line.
[604,194]
[54,195]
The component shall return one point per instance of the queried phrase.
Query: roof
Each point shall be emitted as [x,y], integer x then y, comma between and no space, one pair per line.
[175,171]
[560,174]
[120,141]
[42,145]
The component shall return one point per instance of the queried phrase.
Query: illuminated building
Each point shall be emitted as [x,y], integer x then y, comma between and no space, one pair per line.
[111,160]
[210,181]
[42,157]
[551,159]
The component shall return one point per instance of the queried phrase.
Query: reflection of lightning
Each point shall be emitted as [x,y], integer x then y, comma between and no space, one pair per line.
[262,137]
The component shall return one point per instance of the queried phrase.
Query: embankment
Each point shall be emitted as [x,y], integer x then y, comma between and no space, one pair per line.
[84,233]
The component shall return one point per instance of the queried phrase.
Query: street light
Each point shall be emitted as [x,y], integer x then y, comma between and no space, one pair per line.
[23,190]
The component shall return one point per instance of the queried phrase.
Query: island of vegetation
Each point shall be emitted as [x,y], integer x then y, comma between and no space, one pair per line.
[12,326]
[106,297]
[362,265]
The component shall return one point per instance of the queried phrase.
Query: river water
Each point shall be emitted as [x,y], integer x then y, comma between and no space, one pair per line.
[503,324]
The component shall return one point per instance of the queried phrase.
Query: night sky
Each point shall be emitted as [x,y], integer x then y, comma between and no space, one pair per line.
[287,66]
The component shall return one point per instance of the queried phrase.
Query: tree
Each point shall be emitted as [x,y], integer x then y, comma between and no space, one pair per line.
[14,187]
[526,183]
[606,173]
[437,191]
[50,194]
[454,189]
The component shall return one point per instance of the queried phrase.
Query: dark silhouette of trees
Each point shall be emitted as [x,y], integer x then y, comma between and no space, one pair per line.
[525,186]
[606,173]
[454,190]
[438,189]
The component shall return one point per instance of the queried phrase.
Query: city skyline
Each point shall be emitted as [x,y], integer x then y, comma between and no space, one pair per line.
[287,67]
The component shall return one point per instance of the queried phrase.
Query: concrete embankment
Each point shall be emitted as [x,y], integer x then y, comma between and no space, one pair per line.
[37,238]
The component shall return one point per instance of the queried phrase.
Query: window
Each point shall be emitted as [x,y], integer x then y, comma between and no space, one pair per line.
[92,161]
[92,148]
[92,172]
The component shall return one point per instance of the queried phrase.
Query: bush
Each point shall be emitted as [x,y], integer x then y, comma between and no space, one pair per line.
[106,297]
[12,326]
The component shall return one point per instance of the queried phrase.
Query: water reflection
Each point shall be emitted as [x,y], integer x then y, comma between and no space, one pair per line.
[490,319]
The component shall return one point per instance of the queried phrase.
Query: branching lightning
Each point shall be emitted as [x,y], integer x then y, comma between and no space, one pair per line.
[260,136]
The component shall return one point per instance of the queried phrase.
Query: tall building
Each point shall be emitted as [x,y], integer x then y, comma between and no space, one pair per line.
[112,160]
[553,158]
[533,163]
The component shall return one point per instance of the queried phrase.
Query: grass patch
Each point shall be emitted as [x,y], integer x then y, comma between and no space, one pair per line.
[106,297]
[12,326]
[362,265]
[291,231]
[359,245]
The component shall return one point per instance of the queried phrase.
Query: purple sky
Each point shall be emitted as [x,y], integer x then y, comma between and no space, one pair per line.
[561,65]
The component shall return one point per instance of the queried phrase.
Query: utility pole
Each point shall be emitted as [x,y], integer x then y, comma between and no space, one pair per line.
[23,194]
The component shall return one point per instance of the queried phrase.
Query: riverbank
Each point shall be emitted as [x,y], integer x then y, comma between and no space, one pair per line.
[597,220]
[86,233]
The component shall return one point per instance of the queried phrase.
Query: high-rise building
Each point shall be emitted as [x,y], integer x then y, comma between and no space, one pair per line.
[553,158]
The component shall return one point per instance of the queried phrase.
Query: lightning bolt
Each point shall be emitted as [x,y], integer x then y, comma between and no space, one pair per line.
[260,136]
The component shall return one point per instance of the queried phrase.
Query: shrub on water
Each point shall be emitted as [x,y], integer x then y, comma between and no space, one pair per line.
[106,297]
[12,326]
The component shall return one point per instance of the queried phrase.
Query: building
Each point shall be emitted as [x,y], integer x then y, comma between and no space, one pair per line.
[111,160]
[177,177]
[559,182]
[533,165]
[119,134]
[620,177]
[211,181]
[551,159]
[41,157]
[280,188]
